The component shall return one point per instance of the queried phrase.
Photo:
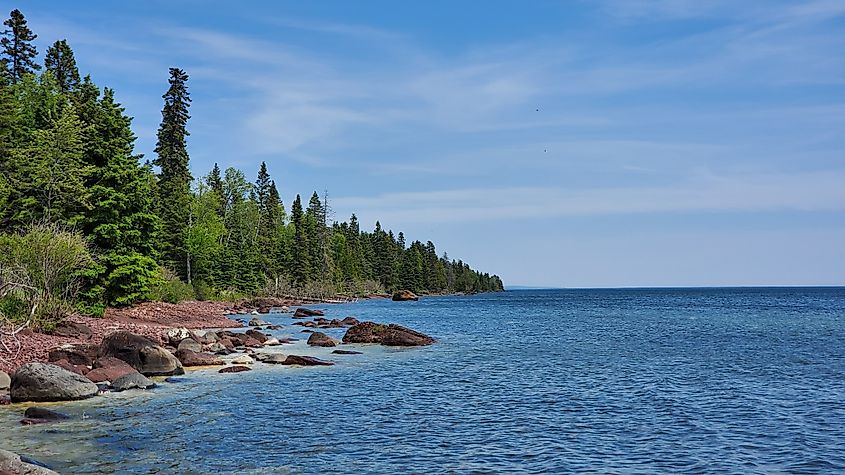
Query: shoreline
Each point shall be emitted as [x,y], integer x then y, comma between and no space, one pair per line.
[149,319]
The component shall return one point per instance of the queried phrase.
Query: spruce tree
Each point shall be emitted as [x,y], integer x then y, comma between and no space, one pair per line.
[60,61]
[215,183]
[174,178]
[17,47]
[299,272]
[122,223]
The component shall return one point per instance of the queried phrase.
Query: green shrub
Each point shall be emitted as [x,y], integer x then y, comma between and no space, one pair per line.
[169,288]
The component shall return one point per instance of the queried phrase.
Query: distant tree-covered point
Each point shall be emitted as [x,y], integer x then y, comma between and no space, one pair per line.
[128,230]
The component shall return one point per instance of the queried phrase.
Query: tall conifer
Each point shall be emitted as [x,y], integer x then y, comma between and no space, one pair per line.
[60,61]
[17,47]
[174,178]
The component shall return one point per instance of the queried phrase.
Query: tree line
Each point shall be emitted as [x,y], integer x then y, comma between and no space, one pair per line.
[68,165]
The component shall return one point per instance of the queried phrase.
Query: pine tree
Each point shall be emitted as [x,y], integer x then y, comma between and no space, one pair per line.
[60,61]
[215,183]
[122,223]
[17,47]
[174,179]
[299,271]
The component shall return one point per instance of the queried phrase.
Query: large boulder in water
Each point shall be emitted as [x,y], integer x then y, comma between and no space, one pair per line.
[194,358]
[388,335]
[404,295]
[321,339]
[43,382]
[306,361]
[132,381]
[141,353]
[302,312]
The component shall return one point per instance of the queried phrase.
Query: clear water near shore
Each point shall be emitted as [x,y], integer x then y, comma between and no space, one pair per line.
[609,381]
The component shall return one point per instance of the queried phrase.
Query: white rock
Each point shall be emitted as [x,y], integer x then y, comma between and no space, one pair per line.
[272,342]
[243,359]
[6,381]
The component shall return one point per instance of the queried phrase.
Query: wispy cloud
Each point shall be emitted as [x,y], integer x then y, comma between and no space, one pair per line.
[798,192]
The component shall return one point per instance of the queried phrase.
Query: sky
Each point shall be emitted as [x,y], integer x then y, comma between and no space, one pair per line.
[602,143]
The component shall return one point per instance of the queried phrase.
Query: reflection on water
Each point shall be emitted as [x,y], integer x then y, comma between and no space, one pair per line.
[646,381]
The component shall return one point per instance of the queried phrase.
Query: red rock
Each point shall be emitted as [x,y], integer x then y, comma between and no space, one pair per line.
[109,369]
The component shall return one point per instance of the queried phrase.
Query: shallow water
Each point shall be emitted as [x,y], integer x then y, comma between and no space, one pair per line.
[604,381]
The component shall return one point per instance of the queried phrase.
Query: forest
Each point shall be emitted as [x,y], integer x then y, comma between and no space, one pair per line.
[87,223]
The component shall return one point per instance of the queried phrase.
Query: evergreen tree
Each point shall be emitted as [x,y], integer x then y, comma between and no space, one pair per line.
[122,223]
[174,179]
[299,270]
[53,173]
[60,61]
[215,183]
[17,47]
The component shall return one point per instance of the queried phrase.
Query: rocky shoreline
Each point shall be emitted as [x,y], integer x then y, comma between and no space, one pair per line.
[134,348]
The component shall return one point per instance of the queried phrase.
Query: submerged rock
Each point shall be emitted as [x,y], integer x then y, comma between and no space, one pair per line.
[404,295]
[43,382]
[388,335]
[347,352]
[235,369]
[46,414]
[321,339]
[132,381]
[306,361]
[141,353]
[275,358]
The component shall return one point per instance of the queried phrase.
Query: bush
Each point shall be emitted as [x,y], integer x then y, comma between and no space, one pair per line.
[170,288]
[40,274]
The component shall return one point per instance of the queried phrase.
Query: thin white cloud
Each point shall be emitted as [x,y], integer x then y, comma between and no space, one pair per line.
[822,191]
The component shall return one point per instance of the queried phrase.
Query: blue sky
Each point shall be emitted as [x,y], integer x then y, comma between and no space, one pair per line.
[557,143]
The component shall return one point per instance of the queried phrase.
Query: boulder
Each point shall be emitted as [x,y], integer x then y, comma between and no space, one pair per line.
[404,295]
[65,364]
[350,321]
[141,353]
[302,312]
[80,355]
[70,329]
[243,359]
[44,414]
[109,368]
[43,382]
[306,361]
[257,323]
[320,339]
[272,342]
[275,358]
[5,381]
[132,381]
[11,463]
[189,344]
[257,336]
[217,348]
[234,369]
[174,336]
[193,358]
[388,335]
[347,352]
[264,310]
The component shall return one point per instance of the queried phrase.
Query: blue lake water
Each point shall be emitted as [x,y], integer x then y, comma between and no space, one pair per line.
[604,381]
